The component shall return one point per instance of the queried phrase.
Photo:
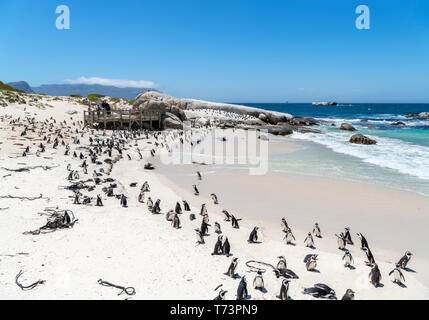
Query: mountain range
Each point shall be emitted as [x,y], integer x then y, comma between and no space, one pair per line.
[80,89]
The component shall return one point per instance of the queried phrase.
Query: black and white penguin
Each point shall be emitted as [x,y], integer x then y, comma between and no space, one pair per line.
[398,277]
[156,208]
[176,221]
[234,222]
[258,281]
[316,230]
[221,295]
[214,198]
[149,203]
[375,275]
[227,215]
[178,208]
[199,235]
[285,273]
[199,176]
[242,289]
[203,210]
[347,236]
[284,225]
[284,290]
[309,242]
[217,228]
[124,201]
[310,262]
[282,263]
[99,201]
[341,241]
[253,237]
[289,236]
[196,191]
[141,197]
[76,198]
[369,256]
[206,218]
[320,290]
[226,247]
[218,246]
[232,268]
[348,259]
[403,262]
[186,206]
[349,295]
[364,243]
[204,228]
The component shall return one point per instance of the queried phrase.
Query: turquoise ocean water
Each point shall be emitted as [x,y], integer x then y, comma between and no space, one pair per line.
[399,160]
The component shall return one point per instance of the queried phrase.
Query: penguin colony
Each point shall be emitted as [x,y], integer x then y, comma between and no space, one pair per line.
[89,150]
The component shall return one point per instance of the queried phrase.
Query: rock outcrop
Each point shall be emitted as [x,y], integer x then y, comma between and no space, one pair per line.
[361,139]
[348,127]
[418,115]
[159,101]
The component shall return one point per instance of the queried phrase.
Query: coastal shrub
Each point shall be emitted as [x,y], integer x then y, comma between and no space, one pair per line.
[95,97]
[75,96]
[131,102]
[6,87]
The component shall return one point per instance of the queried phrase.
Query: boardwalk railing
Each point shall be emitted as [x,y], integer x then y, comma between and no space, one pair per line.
[122,118]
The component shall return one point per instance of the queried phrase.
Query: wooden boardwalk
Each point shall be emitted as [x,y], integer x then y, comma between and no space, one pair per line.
[122,119]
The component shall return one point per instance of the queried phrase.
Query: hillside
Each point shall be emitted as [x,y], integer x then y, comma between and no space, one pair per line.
[21,85]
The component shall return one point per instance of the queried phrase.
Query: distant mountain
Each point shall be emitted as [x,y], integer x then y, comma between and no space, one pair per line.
[21,85]
[7,87]
[86,89]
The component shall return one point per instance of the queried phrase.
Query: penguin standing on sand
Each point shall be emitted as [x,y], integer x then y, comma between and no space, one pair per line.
[217,228]
[349,295]
[123,201]
[178,208]
[199,176]
[316,230]
[99,201]
[176,221]
[156,208]
[341,241]
[204,228]
[196,191]
[76,198]
[398,277]
[253,237]
[214,198]
[186,206]
[141,197]
[309,242]
[289,236]
[226,247]
[348,259]
[369,256]
[149,204]
[232,268]
[234,222]
[364,243]
[199,235]
[218,246]
[284,225]
[258,281]
[311,262]
[227,215]
[242,289]
[347,236]
[284,290]
[282,263]
[375,275]
[203,209]
[405,259]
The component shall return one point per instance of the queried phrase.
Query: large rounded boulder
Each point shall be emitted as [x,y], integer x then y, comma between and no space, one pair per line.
[347,127]
[361,139]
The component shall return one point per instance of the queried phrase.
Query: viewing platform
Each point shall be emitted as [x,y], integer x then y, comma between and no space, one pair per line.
[123,119]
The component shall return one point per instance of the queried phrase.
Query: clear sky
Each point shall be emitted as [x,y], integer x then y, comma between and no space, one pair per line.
[225,50]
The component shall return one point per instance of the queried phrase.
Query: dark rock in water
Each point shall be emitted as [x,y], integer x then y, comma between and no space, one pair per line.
[399,123]
[418,115]
[348,127]
[280,131]
[361,139]
[307,130]
[304,121]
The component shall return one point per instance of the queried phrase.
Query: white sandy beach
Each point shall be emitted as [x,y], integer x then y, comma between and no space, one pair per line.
[134,248]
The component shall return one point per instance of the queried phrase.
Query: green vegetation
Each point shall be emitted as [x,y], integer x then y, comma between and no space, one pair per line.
[75,96]
[4,86]
[131,102]
[95,97]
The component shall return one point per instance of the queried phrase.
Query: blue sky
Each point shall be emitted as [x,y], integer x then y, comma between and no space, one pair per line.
[226,50]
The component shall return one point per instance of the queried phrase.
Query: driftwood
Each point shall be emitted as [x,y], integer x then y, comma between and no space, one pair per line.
[25,198]
[31,286]
[27,169]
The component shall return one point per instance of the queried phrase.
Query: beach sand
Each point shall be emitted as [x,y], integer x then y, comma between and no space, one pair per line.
[134,248]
